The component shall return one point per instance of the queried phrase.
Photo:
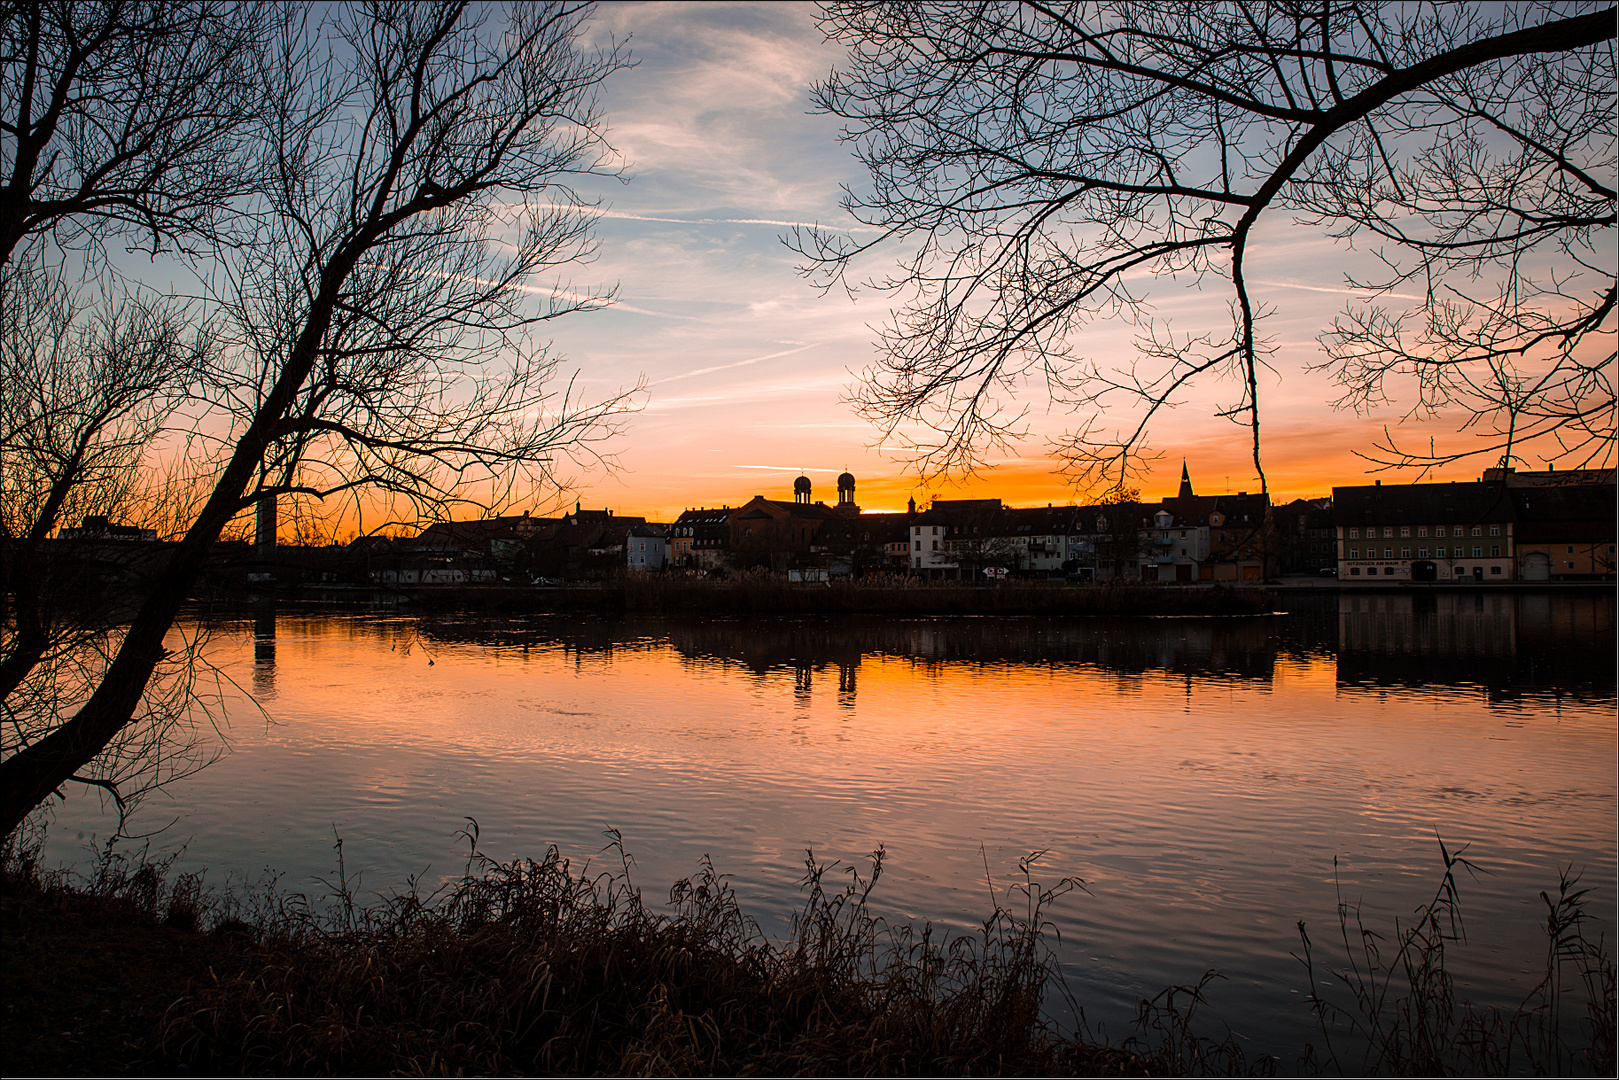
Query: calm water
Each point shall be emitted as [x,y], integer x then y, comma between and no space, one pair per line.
[1200,775]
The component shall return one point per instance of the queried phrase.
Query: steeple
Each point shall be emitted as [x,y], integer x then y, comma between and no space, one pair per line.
[1186,483]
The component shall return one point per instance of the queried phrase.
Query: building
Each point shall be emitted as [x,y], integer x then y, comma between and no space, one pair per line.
[1304,536]
[952,532]
[779,534]
[98,527]
[646,548]
[1564,533]
[701,539]
[1425,532]
[1192,537]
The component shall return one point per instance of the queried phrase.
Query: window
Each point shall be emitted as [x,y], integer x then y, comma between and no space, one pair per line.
[1405,531]
[1495,530]
[1405,553]
[1422,553]
[1422,530]
[919,545]
[1354,571]
[1495,569]
[935,533]
[1354,553]
[1495,551]
[1388,553]
[1571,549]
[1354,534]
[1388,532]
[1478,531]
[1478,552]
[1388,571]
[1439,552]
[935,545]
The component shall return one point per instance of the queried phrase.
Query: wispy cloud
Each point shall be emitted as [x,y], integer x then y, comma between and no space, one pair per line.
[784,468]
[1339,291]
[737,364]
[586,301]
[773,222]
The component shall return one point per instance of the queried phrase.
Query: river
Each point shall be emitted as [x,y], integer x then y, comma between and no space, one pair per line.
[1211,780]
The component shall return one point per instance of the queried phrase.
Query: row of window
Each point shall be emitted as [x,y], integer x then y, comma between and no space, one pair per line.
[1458,552]
[1422,531]
[1388,571]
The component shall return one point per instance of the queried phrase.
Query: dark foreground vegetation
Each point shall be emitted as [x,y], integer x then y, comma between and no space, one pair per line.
[533,967]
[748,593]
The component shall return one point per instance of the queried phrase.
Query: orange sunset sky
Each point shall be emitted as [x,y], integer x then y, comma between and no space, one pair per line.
[746,367]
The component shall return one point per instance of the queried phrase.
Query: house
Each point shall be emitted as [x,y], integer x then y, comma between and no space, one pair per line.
[1304,536]
[701,538]
[956,531]
[646,548]
[1564,533]
[1192,537]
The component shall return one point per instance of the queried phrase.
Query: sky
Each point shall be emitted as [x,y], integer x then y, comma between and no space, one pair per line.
[747,368]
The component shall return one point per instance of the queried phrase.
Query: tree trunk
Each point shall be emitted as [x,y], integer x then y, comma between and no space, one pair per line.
[28,777]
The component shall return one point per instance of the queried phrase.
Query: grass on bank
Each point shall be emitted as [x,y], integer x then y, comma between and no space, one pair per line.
[533,967]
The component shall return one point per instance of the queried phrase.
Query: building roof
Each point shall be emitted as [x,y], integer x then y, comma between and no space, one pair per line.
[761,507]
[1241,510]
[473,534]
[1421,504]
[706,516]
[1564,513]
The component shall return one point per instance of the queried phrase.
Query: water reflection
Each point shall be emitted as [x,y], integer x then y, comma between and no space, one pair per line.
[264,652]
[1508,643]
[1212,780]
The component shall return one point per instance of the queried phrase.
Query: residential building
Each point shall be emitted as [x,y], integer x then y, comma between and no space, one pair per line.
[1564,533]
[1192,537]
[1304,536]
[646,548]
[701,539]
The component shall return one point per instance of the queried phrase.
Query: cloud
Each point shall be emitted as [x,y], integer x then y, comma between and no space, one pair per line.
[1340,291]
[737,364]
[620,215]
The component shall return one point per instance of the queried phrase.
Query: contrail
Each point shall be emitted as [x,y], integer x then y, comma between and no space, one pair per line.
[594,211]
[1342,292]
[739,363]
[586,301]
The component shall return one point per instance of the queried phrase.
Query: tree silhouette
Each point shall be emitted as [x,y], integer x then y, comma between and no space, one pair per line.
[1040,164]
[410,178]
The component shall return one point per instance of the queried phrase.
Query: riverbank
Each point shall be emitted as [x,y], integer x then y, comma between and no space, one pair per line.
[527,967]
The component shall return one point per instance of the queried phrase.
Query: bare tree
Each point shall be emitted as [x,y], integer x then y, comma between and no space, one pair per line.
[126,116]
[376,328]
[1043,163]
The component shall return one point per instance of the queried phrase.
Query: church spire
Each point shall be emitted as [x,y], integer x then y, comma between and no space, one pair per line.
[1186,482]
